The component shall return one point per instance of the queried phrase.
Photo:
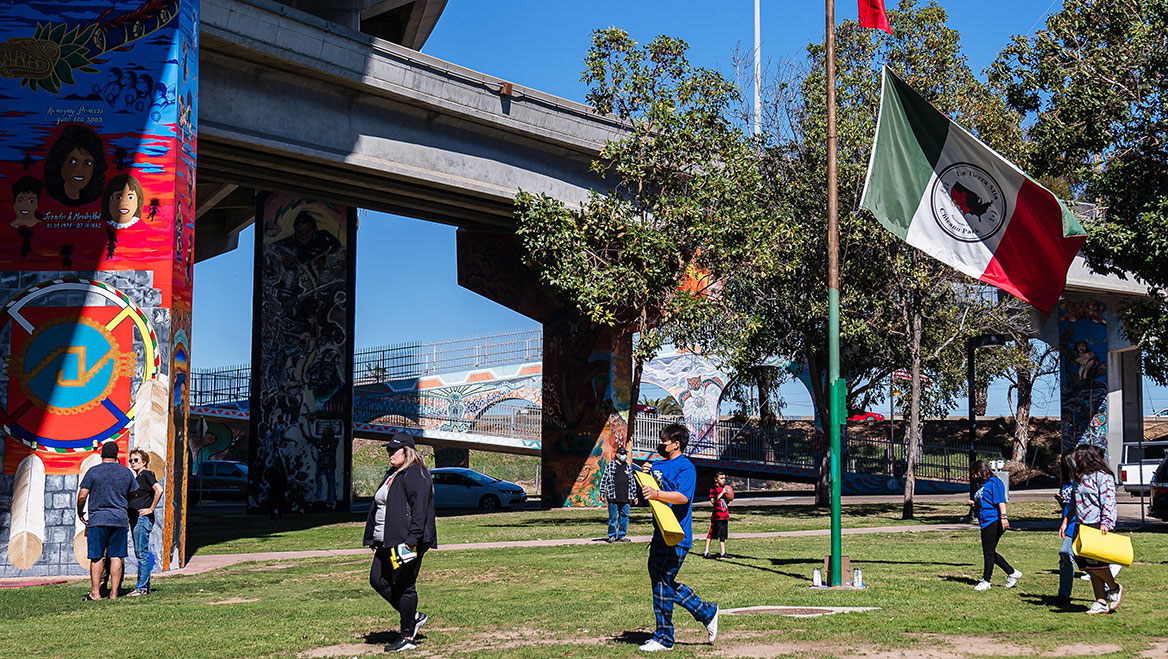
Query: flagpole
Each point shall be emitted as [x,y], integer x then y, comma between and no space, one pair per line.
[757,72]
[835,388]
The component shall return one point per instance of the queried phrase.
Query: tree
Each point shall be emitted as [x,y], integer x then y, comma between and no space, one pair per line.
[684,200]
[900,308]
[1094,82]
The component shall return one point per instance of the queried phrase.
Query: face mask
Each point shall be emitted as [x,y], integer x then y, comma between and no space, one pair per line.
[661,448]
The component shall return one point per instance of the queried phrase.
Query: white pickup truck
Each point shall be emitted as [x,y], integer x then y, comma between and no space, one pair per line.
[1139,466]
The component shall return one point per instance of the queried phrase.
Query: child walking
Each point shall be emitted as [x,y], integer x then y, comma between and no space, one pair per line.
[720,519]
[990,500]
[1094,497]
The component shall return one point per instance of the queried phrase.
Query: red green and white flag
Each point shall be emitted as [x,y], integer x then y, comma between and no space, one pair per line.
[943,191]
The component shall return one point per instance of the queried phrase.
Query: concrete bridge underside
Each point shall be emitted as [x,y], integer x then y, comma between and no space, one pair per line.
[290,102]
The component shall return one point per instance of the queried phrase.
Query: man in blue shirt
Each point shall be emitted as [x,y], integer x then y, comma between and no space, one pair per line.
[677,477]
[106,487]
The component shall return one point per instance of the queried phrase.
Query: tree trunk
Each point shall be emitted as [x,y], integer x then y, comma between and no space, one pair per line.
[766,416]
[1025,389]
[913,439]
[634,397]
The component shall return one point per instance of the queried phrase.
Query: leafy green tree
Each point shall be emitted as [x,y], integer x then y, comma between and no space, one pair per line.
[684,199]
[899,307]
[1094,81]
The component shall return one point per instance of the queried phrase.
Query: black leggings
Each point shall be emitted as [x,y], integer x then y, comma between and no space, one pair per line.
[989,551]
[397,586]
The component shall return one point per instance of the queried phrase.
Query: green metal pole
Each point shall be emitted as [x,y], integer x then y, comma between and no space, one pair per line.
[833,365]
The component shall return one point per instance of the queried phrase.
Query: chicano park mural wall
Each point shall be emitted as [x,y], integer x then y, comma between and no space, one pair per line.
[97,167]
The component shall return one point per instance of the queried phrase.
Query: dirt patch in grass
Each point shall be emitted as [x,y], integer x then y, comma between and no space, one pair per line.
[345,650]
[1157,651]
[936,646]
[234,600]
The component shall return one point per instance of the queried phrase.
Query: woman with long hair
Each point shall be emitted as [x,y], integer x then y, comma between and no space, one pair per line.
[1095,506]
[399,530]
[990,499]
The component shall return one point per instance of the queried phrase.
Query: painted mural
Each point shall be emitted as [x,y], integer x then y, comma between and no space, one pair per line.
[302,387]
[450,402]
[1083,372]
[697,384]
[97,162]
[586,400]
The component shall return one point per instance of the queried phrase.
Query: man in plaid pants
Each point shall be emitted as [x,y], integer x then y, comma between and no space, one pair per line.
[677,477]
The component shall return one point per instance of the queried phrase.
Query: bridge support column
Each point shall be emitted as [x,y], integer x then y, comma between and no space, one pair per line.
[587,369]
[447,456]
[95,275]
[587,373]
[300,456]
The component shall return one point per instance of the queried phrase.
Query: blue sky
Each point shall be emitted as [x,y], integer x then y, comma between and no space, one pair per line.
[406,288]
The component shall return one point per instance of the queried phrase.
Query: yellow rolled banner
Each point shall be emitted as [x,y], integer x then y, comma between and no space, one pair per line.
[663,515]
[1111,548]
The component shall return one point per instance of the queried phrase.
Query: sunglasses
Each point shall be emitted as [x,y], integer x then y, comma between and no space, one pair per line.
[135,459]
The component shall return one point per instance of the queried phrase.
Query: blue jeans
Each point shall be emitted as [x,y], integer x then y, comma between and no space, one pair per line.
[664,563]
[142,529]
[618,519]
[1066,567]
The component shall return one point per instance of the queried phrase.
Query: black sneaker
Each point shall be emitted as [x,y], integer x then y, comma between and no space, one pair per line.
[422,618]
[401,644]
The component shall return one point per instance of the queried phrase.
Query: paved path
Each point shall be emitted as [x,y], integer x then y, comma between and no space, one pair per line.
[199,564]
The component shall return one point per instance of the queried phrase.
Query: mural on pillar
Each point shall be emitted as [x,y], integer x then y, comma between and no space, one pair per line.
[97,166]
[586,386]
[302,397]
[697,385]
[1083,376]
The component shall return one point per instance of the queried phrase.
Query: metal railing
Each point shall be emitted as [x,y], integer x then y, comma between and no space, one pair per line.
[409,360]
[229,384]
[220,385]
[942,461]
[736,441]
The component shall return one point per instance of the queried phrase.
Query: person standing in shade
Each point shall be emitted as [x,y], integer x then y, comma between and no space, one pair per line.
[618,486]
[400,529]
[106,488]
[677,479]
[990,500]
[142,505]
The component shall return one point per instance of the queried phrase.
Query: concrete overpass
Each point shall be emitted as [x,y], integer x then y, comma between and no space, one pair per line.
[292,102]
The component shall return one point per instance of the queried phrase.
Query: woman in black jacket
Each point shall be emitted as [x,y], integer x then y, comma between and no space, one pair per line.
[400,529]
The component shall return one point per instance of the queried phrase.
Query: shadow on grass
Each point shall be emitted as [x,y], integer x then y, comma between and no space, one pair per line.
[1055,603]
[969,581]
[211,526]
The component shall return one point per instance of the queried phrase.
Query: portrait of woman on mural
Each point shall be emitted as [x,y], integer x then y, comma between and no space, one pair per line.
[121,207]
[26,199]
[75,166]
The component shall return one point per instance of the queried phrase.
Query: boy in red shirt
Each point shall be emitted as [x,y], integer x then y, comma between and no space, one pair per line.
[720,496]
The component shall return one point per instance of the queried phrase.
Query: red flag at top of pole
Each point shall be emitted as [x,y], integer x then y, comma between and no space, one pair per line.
[872,15]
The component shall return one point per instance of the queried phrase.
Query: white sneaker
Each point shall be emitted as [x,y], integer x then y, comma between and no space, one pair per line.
[653,645]
[712,625]
[1012,580]
[1113,597]
[982,585]
[1097,608]
[1085,577]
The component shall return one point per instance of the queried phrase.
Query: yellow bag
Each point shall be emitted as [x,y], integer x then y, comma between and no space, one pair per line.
[1110,548]
[663,515]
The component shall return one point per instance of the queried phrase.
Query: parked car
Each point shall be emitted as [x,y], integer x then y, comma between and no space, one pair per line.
[1159,507]
[457,487]
[219,479]
[866,416]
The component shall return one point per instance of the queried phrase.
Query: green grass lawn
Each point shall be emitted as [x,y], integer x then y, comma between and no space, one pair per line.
[594,600]
[210,533]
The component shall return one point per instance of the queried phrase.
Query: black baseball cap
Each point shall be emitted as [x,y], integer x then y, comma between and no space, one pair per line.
[399,440]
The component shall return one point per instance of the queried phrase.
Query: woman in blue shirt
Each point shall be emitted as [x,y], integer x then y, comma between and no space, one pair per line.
[990,500]
[1067,528]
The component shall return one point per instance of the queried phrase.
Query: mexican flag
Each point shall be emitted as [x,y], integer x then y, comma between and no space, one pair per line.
[943,191]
